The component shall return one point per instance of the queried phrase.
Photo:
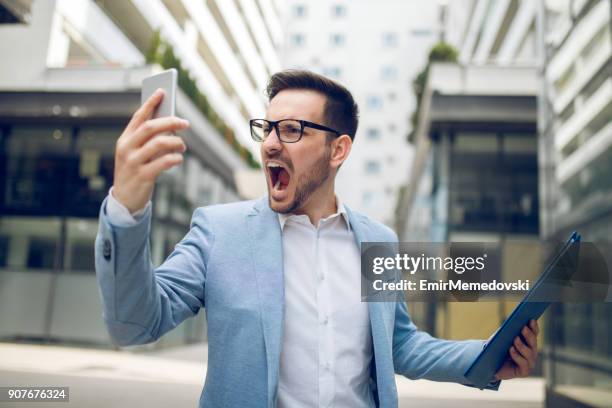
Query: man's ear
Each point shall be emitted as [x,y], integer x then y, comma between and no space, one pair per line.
[341,147]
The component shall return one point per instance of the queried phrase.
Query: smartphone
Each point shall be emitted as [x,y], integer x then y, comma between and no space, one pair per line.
[167,81]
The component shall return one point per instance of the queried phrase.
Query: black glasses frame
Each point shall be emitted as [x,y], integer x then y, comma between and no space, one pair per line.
[303,124]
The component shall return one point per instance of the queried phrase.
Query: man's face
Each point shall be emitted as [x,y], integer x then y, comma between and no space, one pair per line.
[294,171]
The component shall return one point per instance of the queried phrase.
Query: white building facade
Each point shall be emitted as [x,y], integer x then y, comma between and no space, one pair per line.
[375,49]
[579,76]
[493,32]
[578,131]
[569,42]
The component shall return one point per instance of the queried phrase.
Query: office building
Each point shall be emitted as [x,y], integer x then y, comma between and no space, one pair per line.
[567,47]
[375,48]
[577,142]
[69,82]
[475,173]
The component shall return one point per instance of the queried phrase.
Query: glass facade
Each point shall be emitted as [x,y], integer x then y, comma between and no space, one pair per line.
[493,182]
[578,347]
[580,365]
[53,179]
[478,182]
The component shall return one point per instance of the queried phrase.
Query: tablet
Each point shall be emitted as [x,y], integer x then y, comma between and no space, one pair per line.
[482,370]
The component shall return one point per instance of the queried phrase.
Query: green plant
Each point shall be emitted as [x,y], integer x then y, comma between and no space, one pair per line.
[160,52]
[441,52]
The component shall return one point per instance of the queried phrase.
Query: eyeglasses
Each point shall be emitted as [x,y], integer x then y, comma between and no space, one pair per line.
[287,130]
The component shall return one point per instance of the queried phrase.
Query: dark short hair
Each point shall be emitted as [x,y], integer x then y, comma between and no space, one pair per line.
[340,112]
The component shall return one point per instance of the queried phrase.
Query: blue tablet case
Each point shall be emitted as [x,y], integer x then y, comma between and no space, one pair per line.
[482,371]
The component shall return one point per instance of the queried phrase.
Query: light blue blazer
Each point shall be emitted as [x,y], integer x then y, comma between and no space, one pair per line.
[231,263]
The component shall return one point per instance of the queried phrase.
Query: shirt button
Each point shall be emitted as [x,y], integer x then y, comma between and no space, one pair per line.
[326,320]
[321,277]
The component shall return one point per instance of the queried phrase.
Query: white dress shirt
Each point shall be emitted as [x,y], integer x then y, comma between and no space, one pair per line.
[326,349]
[119,215]
[327,344]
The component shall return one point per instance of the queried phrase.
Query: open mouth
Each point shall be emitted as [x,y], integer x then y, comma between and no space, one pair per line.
[279,176]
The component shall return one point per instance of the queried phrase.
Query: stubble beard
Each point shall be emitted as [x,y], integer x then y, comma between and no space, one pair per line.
[307,184]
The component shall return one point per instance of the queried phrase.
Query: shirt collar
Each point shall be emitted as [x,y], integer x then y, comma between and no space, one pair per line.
[340,210]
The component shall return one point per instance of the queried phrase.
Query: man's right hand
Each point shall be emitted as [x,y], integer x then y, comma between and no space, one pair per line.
[145,149]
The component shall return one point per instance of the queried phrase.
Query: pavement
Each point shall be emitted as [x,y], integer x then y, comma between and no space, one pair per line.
[174,377]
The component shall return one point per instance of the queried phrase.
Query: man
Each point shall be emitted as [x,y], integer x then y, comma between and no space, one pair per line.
[279,277]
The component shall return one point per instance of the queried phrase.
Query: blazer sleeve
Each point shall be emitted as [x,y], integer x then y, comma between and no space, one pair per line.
[140,302]
[416,354]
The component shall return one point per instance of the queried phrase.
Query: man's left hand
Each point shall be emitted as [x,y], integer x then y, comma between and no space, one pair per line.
[523,354]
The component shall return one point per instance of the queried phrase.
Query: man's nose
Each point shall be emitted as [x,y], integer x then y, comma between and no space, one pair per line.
[272,143]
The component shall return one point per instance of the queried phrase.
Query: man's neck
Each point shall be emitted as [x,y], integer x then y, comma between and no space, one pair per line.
[319,206]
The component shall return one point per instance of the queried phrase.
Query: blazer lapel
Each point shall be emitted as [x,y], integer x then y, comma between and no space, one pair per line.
[267,253]
[363,233]
[377,310]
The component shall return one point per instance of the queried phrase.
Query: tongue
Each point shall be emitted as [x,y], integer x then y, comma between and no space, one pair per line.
[283,177]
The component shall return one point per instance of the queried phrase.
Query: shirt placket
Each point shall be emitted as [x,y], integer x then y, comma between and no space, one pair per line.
[326,362]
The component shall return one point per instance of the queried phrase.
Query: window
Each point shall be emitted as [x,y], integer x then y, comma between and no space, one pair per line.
[4,250]
[520,143]
[37,161]
[298,40]
[372,167]
[79,252]
[31,242]
[338,10]
[494,182]
[368,198]
[373,133]
[337,40]
[374,102]
[476,142]
[389,39]
[420,32]
[299,11]
[332,72]
[92,173]
[388,73]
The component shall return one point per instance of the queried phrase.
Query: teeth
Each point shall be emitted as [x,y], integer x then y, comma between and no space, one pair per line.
[274,165]
[277,185]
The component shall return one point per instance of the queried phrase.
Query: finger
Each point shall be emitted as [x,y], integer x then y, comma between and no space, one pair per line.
[152,170]
[154,127]
[534,326]
[530,338]
[524,351]
[158,146]
[520,361]
[146,109]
